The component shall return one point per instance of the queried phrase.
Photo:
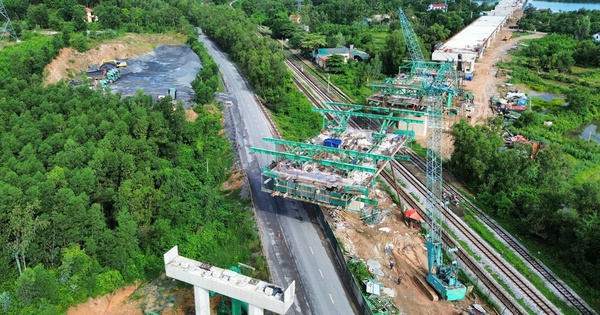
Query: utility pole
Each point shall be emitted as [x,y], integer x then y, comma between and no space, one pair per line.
[299,6]
[7,27]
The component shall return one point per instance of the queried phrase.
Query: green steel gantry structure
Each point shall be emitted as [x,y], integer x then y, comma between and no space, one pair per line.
[342,162]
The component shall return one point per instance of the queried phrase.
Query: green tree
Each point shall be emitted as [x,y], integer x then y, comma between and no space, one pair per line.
[109,16]
[23,226]
[79,42]
[311,41]
[282,27]
[582,101]
[38,15]
[582,27]
[336,63]
[394,54]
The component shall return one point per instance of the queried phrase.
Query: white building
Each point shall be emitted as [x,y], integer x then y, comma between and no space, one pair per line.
[436,6]
[596,37]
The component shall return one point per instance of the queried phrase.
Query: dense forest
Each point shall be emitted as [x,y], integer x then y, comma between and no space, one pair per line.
[95,188]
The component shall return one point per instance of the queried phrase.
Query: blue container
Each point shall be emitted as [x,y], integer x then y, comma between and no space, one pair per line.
[521,102]
[332,142]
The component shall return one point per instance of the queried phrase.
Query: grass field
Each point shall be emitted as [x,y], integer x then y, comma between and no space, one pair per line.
[379,39]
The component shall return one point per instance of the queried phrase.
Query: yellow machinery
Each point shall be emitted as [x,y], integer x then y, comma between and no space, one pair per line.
[111,63]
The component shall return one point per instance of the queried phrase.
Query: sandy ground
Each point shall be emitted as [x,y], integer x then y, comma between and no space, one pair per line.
[161,296]
[485,83]
[408,246]
[155,63]
[405,247]
[111,304]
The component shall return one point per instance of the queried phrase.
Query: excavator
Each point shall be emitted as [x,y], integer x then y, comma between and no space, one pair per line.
[105,66]
[112,63]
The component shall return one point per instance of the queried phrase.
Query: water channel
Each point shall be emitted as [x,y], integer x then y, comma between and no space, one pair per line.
[558,6]
[591,132]
[563,6]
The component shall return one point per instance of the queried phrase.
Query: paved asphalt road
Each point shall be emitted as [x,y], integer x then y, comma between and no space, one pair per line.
[293,241]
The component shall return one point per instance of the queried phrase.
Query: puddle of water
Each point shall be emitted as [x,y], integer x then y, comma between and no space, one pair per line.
[590,133]
[545,96]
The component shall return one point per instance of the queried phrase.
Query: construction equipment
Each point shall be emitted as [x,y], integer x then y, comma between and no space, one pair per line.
[507,37]
[437,86]
[113,75]
[105,67]
[111,63]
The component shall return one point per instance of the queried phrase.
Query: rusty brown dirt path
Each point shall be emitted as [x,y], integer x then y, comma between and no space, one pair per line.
[485,83]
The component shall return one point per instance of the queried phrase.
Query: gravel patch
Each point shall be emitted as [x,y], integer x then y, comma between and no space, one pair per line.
[154,73]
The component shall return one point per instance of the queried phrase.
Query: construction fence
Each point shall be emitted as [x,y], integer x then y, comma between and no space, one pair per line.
[347,277]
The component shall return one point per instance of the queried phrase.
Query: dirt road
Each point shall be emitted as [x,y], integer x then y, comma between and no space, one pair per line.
[485,84]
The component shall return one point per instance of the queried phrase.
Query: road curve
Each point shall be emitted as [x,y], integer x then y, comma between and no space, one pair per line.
[293,242]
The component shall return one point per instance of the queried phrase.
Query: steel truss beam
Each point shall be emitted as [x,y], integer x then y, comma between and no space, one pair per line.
[316,148]
[385,110]
[366,115]
[302,158]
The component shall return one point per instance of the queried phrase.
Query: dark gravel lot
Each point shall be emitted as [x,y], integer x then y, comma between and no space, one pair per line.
[154,73]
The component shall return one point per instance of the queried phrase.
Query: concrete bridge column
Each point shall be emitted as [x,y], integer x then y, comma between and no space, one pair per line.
[255,310]
[202,301]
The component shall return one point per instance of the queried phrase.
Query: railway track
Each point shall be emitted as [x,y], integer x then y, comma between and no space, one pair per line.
[483,276]
[567,293]
[532,295]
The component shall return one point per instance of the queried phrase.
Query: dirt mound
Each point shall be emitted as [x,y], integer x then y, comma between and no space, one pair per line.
[69,62]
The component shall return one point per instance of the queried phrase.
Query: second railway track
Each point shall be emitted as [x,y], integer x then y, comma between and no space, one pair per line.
[541,269]
[484,277]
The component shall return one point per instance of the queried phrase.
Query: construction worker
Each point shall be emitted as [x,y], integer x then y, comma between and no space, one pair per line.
[392,265]
[399,279]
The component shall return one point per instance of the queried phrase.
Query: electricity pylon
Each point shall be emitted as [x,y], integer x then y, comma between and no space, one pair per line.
[7,28]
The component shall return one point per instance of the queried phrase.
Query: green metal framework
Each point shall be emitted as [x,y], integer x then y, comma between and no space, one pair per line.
[303,158]
[311,149]
[394,88]
[286,184]
[378,109]
[340,125]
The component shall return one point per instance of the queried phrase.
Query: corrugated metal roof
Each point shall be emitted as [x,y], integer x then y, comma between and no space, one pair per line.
[331,51]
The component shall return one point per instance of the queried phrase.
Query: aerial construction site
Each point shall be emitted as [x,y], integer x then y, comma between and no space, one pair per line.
[339,169]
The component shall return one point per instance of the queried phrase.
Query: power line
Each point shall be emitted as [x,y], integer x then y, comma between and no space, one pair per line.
[7,27]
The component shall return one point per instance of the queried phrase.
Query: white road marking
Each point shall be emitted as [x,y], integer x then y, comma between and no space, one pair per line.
[331,297]
[321,272]
[311,250]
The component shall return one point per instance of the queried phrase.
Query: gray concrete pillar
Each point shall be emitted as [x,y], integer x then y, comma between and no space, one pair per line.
[255,310]
[202,301]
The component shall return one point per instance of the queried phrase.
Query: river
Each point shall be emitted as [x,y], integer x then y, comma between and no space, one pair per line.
[561,6]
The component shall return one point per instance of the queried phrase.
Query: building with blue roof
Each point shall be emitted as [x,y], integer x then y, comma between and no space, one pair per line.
[323,54]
